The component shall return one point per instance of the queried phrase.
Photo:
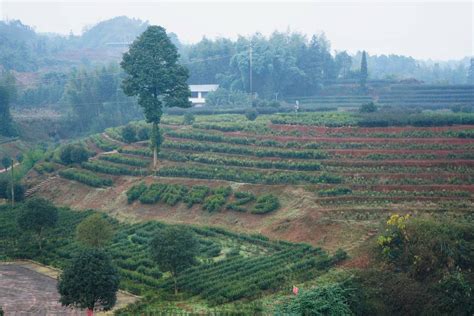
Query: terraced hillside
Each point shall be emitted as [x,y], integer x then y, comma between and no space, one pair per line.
[400,95]
[233,267]
[332,184]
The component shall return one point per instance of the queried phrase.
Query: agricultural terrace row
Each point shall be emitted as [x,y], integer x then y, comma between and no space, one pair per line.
[436,168]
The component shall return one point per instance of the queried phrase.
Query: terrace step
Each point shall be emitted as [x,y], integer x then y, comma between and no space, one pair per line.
[34,189]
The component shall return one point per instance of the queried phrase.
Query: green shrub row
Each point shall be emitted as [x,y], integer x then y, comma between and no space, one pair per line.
[212,200]
[248,176]
[85,177]
[263,164]
[170,194]
[117,158]
[97,166]
[335,191]
[44,167]
[241,198]
[265,204]
[103,144]
[241,150]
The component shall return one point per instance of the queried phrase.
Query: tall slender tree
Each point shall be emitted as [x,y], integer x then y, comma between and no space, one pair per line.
[154,75]
[470,73]
[364,73]
[8,162]
[6,128]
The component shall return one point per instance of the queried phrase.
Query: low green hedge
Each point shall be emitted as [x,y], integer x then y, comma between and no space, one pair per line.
[86,177]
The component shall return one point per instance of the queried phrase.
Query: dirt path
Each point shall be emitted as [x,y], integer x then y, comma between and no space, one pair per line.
[27,287]
[7,169]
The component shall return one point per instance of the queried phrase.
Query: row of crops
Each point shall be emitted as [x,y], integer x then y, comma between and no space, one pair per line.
[417,161]
[255,263]
[229,161]
[212,200]
[425,96]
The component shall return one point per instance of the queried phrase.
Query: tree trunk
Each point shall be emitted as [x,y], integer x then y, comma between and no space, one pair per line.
[155,157]
[175,285]
[155,143]
[40,244]
[13,186]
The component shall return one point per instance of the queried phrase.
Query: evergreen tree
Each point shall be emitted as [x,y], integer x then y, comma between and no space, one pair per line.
[470,73]
[155,76]
[6,127]
[91,282]
[8,162]
[94,232]
[174,248]
[38,215]
[364,74]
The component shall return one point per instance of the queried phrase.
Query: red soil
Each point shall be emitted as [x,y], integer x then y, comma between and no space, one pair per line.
[400,162]
[366,130]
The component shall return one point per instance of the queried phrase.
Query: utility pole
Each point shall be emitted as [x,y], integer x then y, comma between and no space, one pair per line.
[250,75]
[13,185]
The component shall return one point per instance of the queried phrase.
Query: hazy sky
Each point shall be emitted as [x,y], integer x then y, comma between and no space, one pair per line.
[424,29]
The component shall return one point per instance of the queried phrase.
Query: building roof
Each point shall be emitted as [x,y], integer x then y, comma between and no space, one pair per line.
[203,87]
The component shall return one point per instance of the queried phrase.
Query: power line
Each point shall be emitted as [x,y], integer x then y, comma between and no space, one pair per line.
[111,73]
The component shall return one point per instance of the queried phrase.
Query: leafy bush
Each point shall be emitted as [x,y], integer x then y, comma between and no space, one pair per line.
[241,198]
[74,153]
[425,247]
[265,204]
[196,195]
[173,194]
[44,167]
[19,191]
[368,108]
[135,192]
[251,114]
[214,203]
[224,191]
[455,295]
[129,134]
[153,193]
[85,177]
[188,118]
[329,299]
[143,133]
[3,188]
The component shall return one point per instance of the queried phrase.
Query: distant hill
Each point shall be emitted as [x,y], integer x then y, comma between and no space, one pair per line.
[25,50]
[117,30]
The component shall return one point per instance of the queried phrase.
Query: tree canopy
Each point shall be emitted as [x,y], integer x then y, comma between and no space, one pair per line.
[364,74]
[95,231]
[7,91]
[154,75]
[174,248]
[38,215]
[91,281]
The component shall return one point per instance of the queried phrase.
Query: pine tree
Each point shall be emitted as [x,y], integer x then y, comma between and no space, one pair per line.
[364,74]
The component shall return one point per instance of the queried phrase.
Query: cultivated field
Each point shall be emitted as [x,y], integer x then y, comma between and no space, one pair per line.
[333,184]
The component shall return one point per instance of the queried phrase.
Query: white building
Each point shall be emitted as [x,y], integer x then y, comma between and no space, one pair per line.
[199,92]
